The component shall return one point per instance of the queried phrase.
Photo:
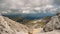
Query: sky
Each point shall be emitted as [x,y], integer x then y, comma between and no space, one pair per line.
[29,6]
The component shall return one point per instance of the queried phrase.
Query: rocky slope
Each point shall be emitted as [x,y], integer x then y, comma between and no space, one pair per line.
[45,23]
[38,22]
[53,24]
[8,26]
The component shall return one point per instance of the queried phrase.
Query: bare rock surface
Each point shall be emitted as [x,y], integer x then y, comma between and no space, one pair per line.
[8,26]
[52,32]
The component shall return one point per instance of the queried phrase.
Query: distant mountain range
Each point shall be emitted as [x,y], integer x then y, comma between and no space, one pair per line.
[27,17]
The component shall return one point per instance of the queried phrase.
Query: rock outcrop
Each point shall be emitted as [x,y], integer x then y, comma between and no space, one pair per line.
[53,24]
[8,26]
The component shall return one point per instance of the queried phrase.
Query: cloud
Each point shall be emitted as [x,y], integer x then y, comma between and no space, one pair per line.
[28,6]
[4,12]
[37,8]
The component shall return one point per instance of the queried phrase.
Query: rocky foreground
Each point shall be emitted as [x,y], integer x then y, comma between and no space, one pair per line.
[8,26]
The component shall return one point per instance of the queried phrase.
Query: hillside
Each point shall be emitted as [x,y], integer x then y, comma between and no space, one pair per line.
[8,26]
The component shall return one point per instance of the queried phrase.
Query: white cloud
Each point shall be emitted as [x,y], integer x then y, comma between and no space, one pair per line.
[26,11]
[31,3]
[4,12]
[37,8]
[28,6]
[49,6]
[9,11]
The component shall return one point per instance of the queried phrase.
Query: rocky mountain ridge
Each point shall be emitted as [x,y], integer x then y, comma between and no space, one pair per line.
[8,26]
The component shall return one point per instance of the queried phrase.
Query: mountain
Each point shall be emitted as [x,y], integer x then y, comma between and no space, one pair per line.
[53,24]
[8,26]
[27,17]
[39,25]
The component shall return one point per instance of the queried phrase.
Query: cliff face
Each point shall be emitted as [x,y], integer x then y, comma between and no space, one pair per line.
[8,26]
[53,24]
